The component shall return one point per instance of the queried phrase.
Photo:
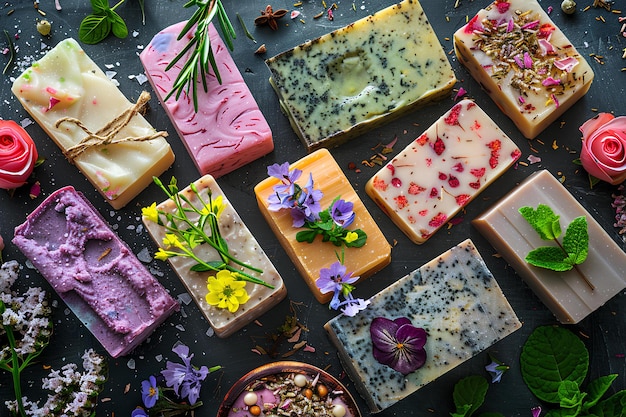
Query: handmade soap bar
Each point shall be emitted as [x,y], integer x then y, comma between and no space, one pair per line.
[442,170]
[344,83]
[309,258]
[66,83]
[524,62]
[93,271]
[228,130]
[454,297]
[241,244]
[565,293]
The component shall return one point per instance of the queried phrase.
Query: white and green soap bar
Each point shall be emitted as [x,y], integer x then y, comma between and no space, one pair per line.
[454,297]
[341,84]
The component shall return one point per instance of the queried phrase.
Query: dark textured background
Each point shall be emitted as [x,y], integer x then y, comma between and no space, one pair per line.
[604,332]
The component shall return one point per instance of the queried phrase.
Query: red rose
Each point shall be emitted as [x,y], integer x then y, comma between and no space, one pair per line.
[17,155]
[604,147]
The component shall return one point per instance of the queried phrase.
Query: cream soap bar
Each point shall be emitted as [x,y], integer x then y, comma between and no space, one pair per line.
[228,130]
[524,62]
[454,297]
[93,271]
[565,293]
[67,83]
[242,245]
[344,83]
[309,258]
[442,170]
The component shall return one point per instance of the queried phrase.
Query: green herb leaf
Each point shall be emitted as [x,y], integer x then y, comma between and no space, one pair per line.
[94,28]
[360,241]
[551,355]
[99,6]
[543,220]
[143,12]
[613,406]
[597,388]
[549,257]
[469,394]
[570,395]
[118,26]
[306,236]
[576,240]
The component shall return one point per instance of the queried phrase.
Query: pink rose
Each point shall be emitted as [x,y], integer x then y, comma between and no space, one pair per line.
[17,155]
[604,147]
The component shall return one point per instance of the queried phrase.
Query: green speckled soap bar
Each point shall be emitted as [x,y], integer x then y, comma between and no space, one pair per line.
[341,84]
[454,297]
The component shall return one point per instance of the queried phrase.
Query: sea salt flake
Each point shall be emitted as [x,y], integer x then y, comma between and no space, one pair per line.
[144,256]
[210,332]
[533,159]
[184,298]
[131,364]
[180,327]
[159,358]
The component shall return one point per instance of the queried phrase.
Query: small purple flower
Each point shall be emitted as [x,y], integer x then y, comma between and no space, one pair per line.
[282,173]
[185,379]
[139,412]
[398,344]
[342,213]
[496,369]
[333,278]
[351,306]
[149,392]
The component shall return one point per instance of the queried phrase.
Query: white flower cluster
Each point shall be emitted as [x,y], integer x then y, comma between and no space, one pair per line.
[75,393]
[27,315]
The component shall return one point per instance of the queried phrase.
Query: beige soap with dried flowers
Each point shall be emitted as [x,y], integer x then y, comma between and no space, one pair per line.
[346,82]
[66,83]
[309,258]
[241,245]
[524,62]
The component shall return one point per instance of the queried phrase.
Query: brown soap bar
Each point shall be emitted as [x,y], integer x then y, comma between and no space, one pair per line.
[565,293]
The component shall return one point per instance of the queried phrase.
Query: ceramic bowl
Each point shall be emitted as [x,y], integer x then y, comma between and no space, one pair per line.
[255,380]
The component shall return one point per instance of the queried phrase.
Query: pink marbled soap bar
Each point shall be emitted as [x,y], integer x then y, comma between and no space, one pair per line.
[93,271]
[228,130]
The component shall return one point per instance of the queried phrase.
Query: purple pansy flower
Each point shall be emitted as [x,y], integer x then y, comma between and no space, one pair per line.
[185,379]
[342,213]
[398,344]
[149,392]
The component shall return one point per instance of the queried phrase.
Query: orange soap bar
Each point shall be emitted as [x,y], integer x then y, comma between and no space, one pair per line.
[309,258]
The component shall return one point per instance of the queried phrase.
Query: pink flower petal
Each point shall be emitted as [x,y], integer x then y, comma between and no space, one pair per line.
[566,64]
[528,61]
[546,47]
[460,94]
[550,81]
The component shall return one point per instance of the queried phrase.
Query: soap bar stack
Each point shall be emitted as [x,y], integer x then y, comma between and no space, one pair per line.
[441,171]
[344,83]
[565,293]
[524,62]
[309,258]
[93,271]
[228,129]
[454,297]
[241,244]
[66,83]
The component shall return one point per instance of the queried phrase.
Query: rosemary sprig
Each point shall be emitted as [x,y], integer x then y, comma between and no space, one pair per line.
[201,56]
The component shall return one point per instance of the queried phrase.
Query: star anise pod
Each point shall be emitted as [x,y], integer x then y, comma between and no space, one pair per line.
[269,16]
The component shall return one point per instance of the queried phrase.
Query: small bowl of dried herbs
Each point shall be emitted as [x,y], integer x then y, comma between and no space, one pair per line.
[288,388]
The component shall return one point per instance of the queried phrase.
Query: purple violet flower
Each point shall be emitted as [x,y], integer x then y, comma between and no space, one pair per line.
[282,173]
[496,374]
[139,412]
[149,392]
[333,278]
[398,344]
[185,379]
[351,306]
[342,213]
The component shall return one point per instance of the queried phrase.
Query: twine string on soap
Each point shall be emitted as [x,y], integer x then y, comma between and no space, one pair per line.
[106,135]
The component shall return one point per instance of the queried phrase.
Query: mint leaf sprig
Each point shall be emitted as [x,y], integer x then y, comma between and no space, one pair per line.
[564,256]
[104,20]
[554,363]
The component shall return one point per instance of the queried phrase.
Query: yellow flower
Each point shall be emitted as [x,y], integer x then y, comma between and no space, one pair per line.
[226,292]
[171,239]
[162,255]
[351,237]
[151,213]
[217,207]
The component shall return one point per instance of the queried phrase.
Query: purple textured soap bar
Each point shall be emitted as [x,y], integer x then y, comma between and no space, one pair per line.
[93,271]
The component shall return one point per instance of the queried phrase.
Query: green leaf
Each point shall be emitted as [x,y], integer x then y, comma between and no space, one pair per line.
[543,220]
[210,266]
[306,236]
[562,412]
[490,414]
[360,241]
[576,240]
[570,395]
[597,388]
[94,28]
[462,411]
[99,6]
[551,355]
[614,406]
[549,257]
[470,391]
[118,26]
[143,12]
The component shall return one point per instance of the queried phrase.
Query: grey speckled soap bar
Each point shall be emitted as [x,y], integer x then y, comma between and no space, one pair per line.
[454,297]
[344,83]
